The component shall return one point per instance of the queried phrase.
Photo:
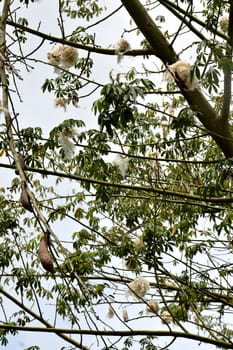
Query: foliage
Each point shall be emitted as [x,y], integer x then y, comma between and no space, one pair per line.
[131,177]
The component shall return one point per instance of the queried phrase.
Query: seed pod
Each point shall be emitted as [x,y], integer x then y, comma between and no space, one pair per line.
[125,315]
[25,200]
[152,306]
[43,253]
[122,47]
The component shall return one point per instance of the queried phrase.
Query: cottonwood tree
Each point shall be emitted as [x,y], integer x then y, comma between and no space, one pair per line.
[118,235]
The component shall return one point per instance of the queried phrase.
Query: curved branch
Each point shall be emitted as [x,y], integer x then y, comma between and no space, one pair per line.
[88,48]
[120,333]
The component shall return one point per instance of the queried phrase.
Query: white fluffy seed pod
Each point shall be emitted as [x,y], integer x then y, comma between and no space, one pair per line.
[110,313]
[182,70]
[62,56]
[55,55]
[138,287]
[166,317]
[60,102]
[65,140]
[122,163]
[69,56]
[224,23]
[121,48]
[125,315]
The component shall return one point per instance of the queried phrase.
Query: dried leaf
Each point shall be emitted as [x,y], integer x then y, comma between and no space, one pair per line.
[44,255]
[25,200]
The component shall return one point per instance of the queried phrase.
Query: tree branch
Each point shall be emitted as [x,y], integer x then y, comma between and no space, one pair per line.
[220,132]
[120,333]
[175,9]
[228,68]
[155,191]
[88,48]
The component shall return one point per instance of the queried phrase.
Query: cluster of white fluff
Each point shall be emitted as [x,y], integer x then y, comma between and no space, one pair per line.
[224,23]
[181,70]
[121,48]
[138,287]
[111,312]
[122,163]
[65,140]
[63,56]
[165,128]
[61,102]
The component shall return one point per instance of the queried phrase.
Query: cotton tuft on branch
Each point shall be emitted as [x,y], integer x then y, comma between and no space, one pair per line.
[121,48]
[63,56]
[138,287]
[182,70]
[122,163]
[152,306]
[60,102]
[224,23]
[65,140]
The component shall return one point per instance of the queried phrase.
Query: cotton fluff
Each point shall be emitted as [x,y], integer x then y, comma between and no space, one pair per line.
[55,55]
[121,48]
[110,313]
[165,128]
[63,56]
[65,140]
[182,70]
[125,315]
[122,163]
[224,23]
[166,317]
[69,56]
[61,102]
[138,287]
[152,306]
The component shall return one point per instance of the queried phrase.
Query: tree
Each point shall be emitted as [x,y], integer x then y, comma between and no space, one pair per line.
[120,232]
